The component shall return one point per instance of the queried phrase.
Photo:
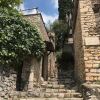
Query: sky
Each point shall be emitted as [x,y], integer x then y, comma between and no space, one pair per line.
[48,8]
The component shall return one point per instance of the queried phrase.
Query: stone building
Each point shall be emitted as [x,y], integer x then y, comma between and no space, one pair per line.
[34,71]
[87,40]
[86,34]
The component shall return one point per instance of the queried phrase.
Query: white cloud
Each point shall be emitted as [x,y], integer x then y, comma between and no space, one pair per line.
[48,18]
[55,3]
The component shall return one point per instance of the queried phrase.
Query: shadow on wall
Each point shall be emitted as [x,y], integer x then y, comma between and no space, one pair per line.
[29,74]
[67,61]
[23,73]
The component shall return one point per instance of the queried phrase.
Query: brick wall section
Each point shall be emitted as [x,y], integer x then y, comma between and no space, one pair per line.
[90,26]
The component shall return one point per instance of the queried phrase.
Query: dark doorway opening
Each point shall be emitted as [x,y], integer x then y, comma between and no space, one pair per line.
[45,67]
[66,67]
[19,79]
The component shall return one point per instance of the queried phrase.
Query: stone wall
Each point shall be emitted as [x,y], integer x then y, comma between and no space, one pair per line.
[31,73]
[91,91]
[90,40]
[78,49]
[7,82]
[45,66]
[52,70]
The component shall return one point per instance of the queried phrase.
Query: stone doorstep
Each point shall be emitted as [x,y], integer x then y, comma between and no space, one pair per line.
[52,99]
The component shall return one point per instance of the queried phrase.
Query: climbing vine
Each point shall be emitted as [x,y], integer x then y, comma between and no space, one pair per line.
[18,39]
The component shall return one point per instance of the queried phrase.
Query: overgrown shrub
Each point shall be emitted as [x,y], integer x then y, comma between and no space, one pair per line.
[18,39]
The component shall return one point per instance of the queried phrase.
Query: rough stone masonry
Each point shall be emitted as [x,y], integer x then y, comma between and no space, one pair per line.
[87,41]
[86,29]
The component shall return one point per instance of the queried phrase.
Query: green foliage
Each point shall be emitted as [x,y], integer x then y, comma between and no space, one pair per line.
[60,30]
[59,57]
[18,39]
[9,3]
[65,7]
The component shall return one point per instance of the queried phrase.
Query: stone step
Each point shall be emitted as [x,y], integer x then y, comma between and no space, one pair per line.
[61,82]
[65,72]
[62,95]
[52,99]
[62,79]
[60,90]
[59,86]
[62,75]
[56,86]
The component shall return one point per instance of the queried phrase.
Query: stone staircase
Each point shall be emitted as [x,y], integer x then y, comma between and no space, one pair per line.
[62,87]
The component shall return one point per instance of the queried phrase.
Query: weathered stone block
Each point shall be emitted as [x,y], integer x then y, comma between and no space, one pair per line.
[93,70]
[88,65]
[92,41]
[86,70]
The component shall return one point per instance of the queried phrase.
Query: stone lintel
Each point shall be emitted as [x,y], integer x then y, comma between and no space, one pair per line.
[90,41]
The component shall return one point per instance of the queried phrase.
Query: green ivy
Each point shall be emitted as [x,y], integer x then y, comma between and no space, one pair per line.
[18,39]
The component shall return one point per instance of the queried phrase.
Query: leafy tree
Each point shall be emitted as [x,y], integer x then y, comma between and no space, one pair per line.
[65,7]
[18,39]
[60,30]
[9,3]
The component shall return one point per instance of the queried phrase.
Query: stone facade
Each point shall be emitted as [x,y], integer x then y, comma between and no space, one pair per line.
[52,57]
[79,53]
[37,20]
[87,42]
[31,73]
[7,82]
[39,71]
